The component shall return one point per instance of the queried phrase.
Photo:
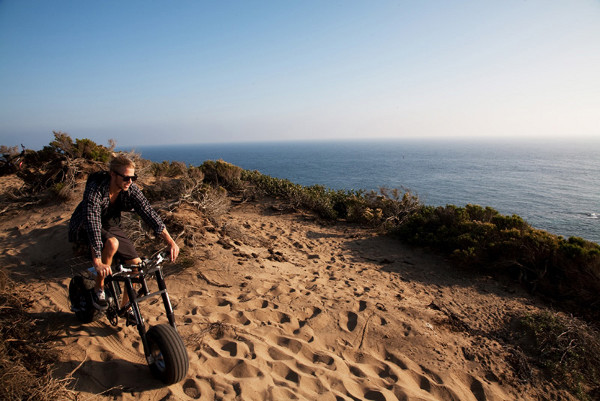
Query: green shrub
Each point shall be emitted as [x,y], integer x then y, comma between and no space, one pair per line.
[221,173]
[63,145]
[386,209]
[565,270]
[169,169]
[89,150]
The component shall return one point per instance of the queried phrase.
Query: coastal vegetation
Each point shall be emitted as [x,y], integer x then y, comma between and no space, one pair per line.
[565,272]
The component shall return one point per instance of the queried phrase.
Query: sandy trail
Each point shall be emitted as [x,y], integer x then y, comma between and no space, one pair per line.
[280,307]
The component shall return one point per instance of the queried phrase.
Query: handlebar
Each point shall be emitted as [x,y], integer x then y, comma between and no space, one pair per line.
[145,267]
[121,270]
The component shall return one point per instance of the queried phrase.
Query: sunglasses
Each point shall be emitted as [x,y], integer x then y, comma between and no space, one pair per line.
[126,177]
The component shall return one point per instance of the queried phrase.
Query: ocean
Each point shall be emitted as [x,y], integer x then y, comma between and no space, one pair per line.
[554,186]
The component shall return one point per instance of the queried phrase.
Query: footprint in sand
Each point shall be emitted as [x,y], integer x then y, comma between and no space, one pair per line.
[350,321]
[282,370]
[284,318]
[230,347]
[386,373]
[432,375]
[238,368]
[244,342]
[407,329]
[191,389]
[325,359]
[242,319]
[357,372]
[375,395]
[316,311]
[396,361]
[292,344]
[224,302]
[478,390]
[278,355]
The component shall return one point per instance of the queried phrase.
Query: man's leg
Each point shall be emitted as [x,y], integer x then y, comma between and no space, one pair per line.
[125,249]
[108,252]
[130,262]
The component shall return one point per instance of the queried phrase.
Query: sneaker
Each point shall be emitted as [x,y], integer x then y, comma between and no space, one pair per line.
[129,317]
[99,300]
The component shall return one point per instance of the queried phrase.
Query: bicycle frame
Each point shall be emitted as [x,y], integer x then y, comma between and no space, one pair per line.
[130,275]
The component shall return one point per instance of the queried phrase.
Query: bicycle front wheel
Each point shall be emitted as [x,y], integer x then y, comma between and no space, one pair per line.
[168,359]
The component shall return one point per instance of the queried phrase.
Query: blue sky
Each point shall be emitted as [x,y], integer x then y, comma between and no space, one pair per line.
[158,72]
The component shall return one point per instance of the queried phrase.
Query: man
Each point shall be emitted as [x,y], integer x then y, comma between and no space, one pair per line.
[96,221]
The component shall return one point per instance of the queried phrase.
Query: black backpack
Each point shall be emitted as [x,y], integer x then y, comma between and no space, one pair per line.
[80,298]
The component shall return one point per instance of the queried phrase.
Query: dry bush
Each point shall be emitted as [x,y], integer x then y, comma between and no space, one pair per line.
[175,189]
[26,355]
[567,349]
[191,190]
[166,189]
[213,202]
[143,167]
[138,231]
[55,179]
[8,151]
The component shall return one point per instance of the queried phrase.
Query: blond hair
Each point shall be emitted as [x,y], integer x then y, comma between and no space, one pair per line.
[121,161]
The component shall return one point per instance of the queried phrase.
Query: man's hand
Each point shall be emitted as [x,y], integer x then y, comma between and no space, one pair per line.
[103,270]
[174,251]
[174,248]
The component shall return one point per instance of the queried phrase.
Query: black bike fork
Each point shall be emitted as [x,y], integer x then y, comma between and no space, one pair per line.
[162,287]
[136,311]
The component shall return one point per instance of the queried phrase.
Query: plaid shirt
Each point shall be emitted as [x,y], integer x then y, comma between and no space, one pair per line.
[88,215]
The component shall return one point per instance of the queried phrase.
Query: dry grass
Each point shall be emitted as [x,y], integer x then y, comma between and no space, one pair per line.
[26,356]
[565,348]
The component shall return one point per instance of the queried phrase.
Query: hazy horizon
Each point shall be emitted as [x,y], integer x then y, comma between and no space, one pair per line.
[557,141]
[247,71]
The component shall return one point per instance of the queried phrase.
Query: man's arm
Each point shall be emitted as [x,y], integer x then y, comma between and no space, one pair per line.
[91,204]
[174,248]
[92,209]
[149,215]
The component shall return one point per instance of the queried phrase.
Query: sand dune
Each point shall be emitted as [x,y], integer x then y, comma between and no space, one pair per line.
[280,307]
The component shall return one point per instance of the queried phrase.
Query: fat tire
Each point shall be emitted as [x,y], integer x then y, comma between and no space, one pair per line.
[81,299]
[171,362]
